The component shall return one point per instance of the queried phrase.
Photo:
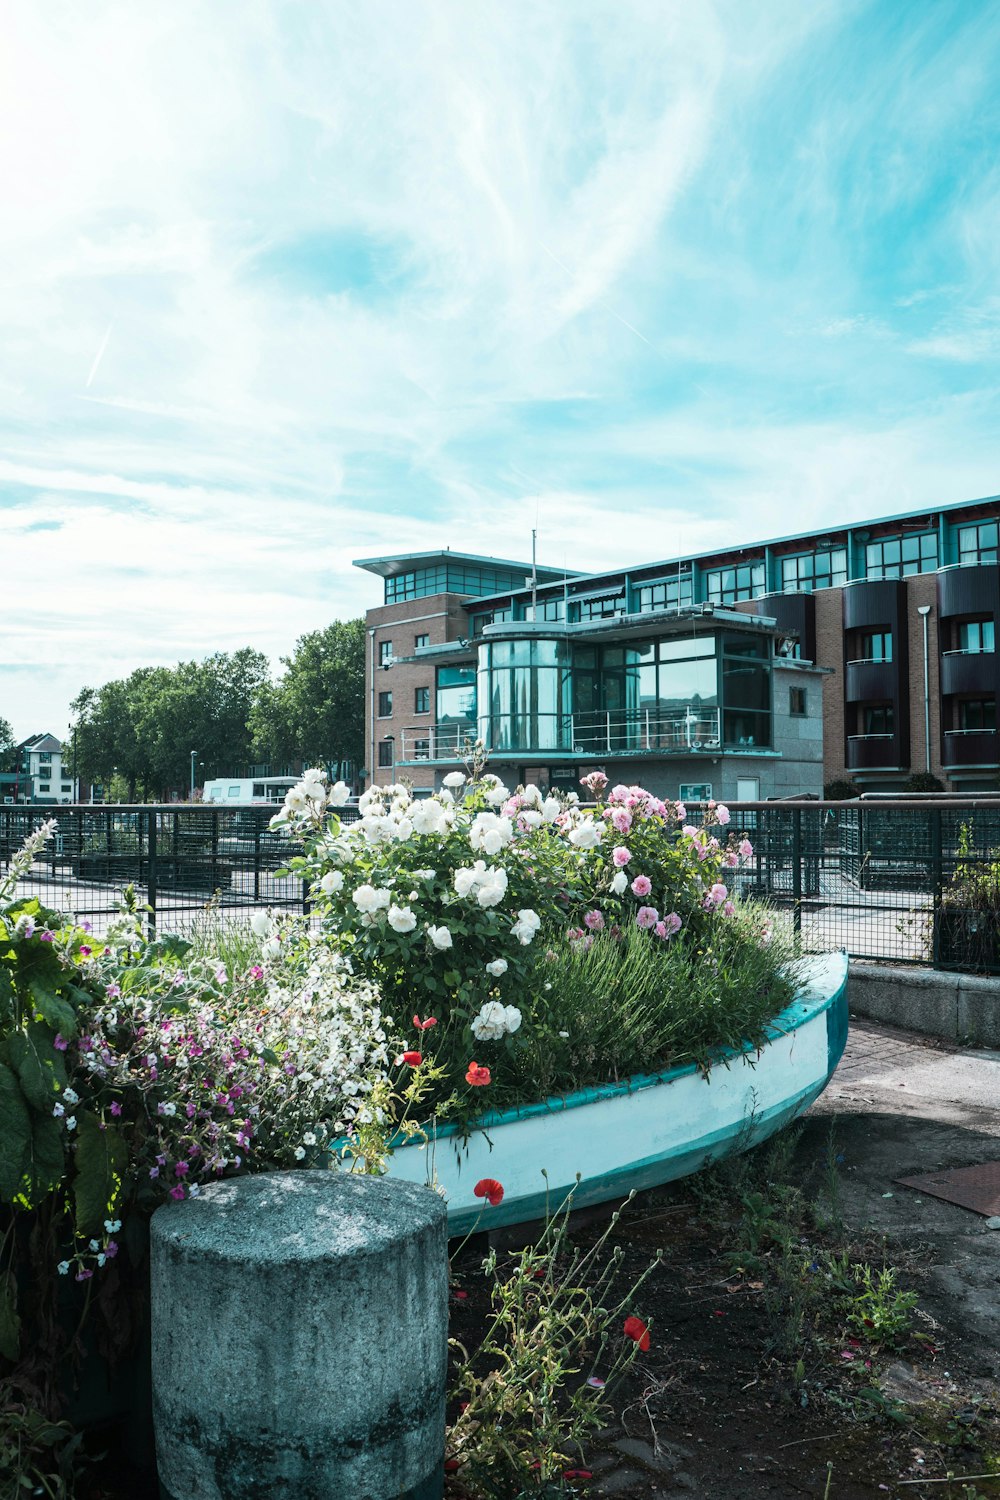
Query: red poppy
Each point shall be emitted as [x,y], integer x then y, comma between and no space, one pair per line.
[476,1075]
[451,1466]
[489,1188]
[636,1330]
[424,1025]
[413,1059]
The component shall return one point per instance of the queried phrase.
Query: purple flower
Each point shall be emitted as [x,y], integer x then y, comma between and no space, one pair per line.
[59,1042]
[154,1171]
[85,952]
[181,1169]
[177,1193]
[113,991]
[86,927]
[116,1108]
[111,1249]
[47,935]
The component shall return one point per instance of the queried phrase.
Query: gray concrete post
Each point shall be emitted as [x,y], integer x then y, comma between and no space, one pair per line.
[299,1326]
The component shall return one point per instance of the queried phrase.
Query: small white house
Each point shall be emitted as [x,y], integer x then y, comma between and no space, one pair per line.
[41,774]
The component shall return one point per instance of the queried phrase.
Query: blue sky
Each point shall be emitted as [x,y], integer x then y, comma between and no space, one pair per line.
[287,285]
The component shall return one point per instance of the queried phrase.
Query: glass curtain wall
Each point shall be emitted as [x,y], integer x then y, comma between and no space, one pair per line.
[455,708]
[523,692]
[746,690]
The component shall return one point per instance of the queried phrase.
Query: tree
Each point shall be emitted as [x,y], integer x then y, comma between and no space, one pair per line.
[7,744]
[145,726]
[316,711]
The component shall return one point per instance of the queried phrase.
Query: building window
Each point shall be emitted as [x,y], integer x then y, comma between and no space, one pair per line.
[727,585]
[975,636]
[420,641]
[814,570]
[797,702]
[385,705]
[421,749]
[695,791]
[978,544]
[901,556]
[384,653]
[385,752]
[455,709]
[977,714]
[603,607]
[451,579]
[422,700]
[875,645]
[67,786]
[667,593]
[479,622]
[876,718]
[546,609]
[44,786]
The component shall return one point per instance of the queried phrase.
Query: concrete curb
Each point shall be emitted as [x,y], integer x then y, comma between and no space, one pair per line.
[955,1007]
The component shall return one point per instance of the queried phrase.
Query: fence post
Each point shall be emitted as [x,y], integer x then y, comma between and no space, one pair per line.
[797,871]
[937,884]
[256,861]
[151,872]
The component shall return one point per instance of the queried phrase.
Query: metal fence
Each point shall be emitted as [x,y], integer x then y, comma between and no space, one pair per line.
[180,859]
[907,881]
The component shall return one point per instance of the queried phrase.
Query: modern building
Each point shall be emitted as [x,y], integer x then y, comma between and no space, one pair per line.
[703,670]
[40,775]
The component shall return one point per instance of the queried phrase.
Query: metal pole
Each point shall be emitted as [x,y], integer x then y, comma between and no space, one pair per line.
[797,871]
[924,610]
[371,707]
[194,758]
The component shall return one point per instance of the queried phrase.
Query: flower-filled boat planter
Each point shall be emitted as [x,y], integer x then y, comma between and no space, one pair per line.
[645,1131]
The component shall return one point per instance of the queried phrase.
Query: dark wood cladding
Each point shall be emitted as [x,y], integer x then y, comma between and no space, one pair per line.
[974,748]
[876,752]
[795,613]
[873,607]
[869,681]
[970,589]
[969,672]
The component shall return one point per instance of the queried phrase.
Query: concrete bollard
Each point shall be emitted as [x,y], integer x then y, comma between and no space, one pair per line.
[300,1324]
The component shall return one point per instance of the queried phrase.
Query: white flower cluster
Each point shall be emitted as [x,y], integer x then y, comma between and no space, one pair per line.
[488,883]
[307,801]
[494,1021]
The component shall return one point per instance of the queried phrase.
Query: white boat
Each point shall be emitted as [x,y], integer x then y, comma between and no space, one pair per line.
[643,1132]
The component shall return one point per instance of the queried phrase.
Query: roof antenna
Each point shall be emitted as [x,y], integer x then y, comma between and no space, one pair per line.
[534,574]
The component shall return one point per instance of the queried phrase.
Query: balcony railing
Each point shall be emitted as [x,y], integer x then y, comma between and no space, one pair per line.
[646,731]
[970,747]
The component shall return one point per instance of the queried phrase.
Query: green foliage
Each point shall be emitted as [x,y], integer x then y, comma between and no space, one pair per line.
[527,1406]
[37,1456]
[876,1308]
[147,725]
[923,781]
[316,711]
[7,745]
[841,789]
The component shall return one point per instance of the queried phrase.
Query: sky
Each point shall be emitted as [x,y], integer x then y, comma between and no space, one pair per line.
[285,285]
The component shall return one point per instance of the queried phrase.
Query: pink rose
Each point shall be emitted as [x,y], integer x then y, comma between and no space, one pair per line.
[647,916]
[622,819]
[641,885]
[673,923]
[594,920]
[621,856]
[746,849]
[722,814]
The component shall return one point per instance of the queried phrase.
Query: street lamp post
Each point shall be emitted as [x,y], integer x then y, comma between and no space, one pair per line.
[924,610]
[194,759]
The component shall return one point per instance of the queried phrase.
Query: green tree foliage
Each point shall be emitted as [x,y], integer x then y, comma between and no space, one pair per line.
[7,745]
[145,726]
[316,712]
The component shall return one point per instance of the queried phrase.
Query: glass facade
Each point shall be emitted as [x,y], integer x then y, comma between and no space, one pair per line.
[523,694]
[601,607]
[814,570]
[450,578]
[743,581]
[901,556]
[978,543]
[746,690]
[975,636]
[456,705]
[499,616]
[546,609]
[676,592]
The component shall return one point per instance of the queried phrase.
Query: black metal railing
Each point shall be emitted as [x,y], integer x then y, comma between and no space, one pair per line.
[179,857]
[906,880]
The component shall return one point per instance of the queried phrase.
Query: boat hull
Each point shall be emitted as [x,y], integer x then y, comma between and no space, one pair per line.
[601,1143]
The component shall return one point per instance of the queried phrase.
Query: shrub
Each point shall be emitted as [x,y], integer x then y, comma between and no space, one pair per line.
[841,789]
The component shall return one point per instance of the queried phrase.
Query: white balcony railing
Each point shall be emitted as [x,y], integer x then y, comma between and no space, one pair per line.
[668,731]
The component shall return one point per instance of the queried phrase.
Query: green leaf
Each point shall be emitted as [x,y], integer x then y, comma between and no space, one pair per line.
[46,1163]
[101,1159]
[54,1009]
[39,1067]
[10,1322]
[15,1133]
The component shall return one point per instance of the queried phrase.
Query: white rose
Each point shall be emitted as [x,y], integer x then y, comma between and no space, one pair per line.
[497,967]
[497,795]
[401,919]
[587,835]
[492,887]
[260,924]
[295,799]
[531,818]
[332,881]
[403,829]
[466,879]
[340,794]
[272,948]
[454,778]
[619,883]
[527,924]
[490,1024]
[551,809]
[512,1018]
[440,937]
